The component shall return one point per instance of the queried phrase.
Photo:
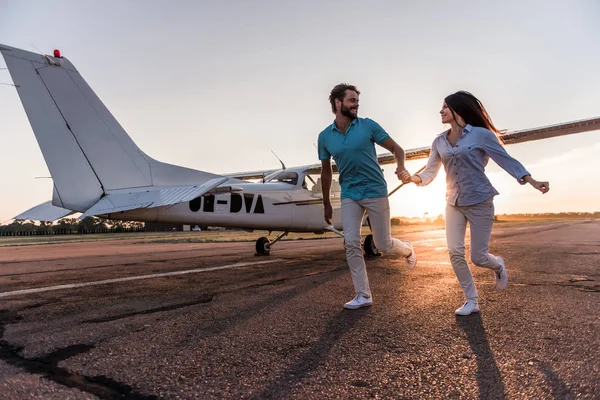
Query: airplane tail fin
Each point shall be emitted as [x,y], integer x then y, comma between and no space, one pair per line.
[87,151]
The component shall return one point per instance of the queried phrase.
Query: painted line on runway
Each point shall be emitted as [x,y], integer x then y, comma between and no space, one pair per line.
[433,262]
[429,240]
[134,278]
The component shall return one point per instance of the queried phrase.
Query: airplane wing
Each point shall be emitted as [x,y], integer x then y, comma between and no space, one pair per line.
[45,212]
[386,158]
[513,137]
[131,199]
[545,132]
[251,174]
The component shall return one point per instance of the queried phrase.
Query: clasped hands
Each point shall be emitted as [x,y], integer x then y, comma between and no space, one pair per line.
[403,175]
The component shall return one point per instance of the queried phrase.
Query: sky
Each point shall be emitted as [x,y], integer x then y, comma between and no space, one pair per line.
[218,85]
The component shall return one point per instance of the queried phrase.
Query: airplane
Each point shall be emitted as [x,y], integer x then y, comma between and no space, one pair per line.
[98,170]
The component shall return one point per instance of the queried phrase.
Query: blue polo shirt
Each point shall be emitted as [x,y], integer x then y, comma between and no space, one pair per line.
[354,153]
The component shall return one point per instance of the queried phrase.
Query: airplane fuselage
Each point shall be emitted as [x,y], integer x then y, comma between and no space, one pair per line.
[272,206]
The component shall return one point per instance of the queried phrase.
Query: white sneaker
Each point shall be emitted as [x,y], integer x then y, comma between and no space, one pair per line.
[358,302]
[469,307]
[411,261]
[502,276]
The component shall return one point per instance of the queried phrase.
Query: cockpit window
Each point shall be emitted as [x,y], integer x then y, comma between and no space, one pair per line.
[283,176]
[313,182]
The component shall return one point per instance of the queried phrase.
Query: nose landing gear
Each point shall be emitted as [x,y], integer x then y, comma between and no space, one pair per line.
[264,245]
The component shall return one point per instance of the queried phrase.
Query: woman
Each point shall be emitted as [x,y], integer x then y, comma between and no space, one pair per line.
[465,150]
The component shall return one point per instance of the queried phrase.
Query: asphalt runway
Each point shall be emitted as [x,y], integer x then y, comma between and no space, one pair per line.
[120,319]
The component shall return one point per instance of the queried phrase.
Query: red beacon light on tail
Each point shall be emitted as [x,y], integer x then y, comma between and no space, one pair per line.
[57,53]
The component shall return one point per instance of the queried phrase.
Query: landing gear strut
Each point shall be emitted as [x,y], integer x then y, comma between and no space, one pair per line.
[370,248]
[263,244]
[369,244]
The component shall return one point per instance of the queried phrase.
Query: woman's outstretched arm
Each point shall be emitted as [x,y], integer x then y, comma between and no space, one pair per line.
[496,151]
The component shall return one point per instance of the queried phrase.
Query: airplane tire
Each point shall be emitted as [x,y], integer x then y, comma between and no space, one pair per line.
[263,246]
[369,247]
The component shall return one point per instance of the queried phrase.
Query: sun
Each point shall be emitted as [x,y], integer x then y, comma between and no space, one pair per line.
[416,201]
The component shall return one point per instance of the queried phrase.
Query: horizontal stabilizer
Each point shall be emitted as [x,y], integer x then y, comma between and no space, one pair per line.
[153,197]
[45,212]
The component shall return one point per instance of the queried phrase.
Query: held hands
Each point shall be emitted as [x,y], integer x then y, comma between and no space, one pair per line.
[416,179]
[403,175]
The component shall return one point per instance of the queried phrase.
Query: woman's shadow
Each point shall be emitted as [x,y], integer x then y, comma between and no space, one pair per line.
[489,378]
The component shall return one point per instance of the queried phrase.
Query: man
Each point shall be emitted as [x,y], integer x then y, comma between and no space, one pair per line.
[351,142]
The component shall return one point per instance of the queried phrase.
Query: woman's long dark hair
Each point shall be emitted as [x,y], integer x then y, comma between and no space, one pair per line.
[470,109]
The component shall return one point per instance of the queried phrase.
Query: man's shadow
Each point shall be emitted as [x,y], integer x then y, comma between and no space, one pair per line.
[489,378]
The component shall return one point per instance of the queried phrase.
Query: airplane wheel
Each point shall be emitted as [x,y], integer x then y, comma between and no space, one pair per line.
[370,249]
[263,246]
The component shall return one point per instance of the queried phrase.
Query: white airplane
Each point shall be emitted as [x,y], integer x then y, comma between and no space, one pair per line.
[98,170]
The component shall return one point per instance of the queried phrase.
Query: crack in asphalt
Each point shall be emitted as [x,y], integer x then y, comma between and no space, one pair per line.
[47,367]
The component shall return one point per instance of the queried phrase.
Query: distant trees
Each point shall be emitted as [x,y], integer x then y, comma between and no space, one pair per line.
[69,226]
[439,220]
[548,216]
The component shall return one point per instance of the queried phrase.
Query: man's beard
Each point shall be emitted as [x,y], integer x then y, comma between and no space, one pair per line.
[346,112]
